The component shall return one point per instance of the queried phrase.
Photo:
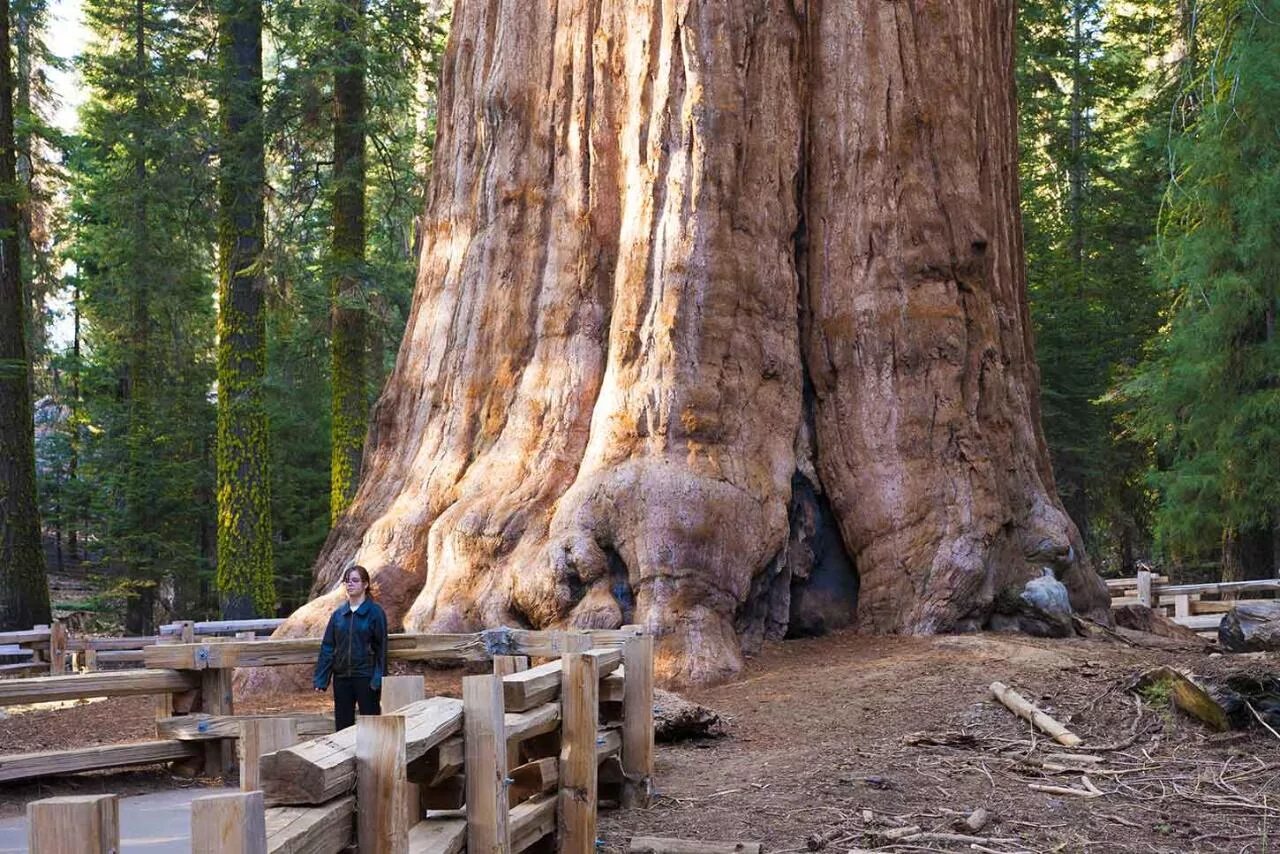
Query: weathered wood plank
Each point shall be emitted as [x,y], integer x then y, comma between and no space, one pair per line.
[75,824]
[115,683]
[223,627]
[658,845]
[608,743]
[486,766]
[399,691]
[438,836]
[326,829]
[229,824]
[541,684]
[382,791]
[439,763]
[22,766]
[521,725]
[201,727]
[533,778]
[315,771]
[579,703]
[532,820]
[26,636]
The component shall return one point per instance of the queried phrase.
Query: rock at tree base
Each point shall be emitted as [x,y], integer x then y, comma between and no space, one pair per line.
[1042,609]
[1140,618]
[677,719]
[1251,627]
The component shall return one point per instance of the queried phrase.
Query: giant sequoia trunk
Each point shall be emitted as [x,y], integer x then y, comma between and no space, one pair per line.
[720,328]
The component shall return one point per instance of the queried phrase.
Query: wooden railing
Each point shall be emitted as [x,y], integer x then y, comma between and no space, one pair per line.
[1197,606]
[528,754]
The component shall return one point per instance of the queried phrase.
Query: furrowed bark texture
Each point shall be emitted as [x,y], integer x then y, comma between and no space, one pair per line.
[720,328]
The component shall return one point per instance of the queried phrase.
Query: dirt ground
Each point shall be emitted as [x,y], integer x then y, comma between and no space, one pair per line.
[850,739]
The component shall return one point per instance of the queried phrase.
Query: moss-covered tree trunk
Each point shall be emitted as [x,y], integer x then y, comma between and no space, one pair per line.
[245,571]
[348,310]
[24,591]
[139,495]
[720,328]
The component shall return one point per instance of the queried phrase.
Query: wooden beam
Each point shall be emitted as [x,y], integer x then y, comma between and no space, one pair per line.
[637,721]
[76,824]
[114,683]
[613,687]
[438,836]
[202,727]
[315,771]
[23,766]
[382,790]
[216,627]
[229,824]
[547,644]
[521,725]
[541,684]
[533,778]
[449,794]
[325,829]
[608,743]
[531,821]
[259,736]
[579,704]
[486,765]
[28,636]
[439,763]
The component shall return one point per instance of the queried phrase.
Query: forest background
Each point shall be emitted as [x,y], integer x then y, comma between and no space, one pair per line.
[1150,167]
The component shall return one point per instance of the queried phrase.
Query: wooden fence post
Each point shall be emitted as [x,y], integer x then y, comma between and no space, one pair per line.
[382,787]
[485,752]
[229,824]
[400,691]
[1144,589]
[57,648]
[215,699]
[637,721]
[505,665]
[78,824]
[579,715]
[259,736]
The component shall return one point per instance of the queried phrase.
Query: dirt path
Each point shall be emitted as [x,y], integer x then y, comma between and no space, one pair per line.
[822,731]
[817,738]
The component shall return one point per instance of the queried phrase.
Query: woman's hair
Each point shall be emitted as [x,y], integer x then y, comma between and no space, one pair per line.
[364,576]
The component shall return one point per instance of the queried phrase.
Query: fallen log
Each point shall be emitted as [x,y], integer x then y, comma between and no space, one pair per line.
[1024,708]
[660,845]
[324,768]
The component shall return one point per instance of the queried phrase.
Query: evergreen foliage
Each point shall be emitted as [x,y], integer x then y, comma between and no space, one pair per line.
[1208,395]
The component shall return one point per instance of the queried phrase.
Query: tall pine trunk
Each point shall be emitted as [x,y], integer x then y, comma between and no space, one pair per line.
[720,327]
[24,591]
[245,572]
[348,315]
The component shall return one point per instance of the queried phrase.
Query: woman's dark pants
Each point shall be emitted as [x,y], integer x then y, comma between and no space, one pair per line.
[348,691]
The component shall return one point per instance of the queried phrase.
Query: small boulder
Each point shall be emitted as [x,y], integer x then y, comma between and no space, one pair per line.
[1251,627]
[1042,608]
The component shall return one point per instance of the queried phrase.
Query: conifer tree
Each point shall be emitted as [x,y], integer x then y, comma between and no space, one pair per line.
[245,566]
[24,593]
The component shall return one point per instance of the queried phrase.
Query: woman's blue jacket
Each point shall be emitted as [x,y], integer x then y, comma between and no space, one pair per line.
[355,644]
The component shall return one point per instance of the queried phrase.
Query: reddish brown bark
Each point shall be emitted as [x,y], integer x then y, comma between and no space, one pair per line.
[718,300]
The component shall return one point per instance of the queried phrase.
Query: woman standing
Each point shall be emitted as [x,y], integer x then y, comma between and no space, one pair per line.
[354,652]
